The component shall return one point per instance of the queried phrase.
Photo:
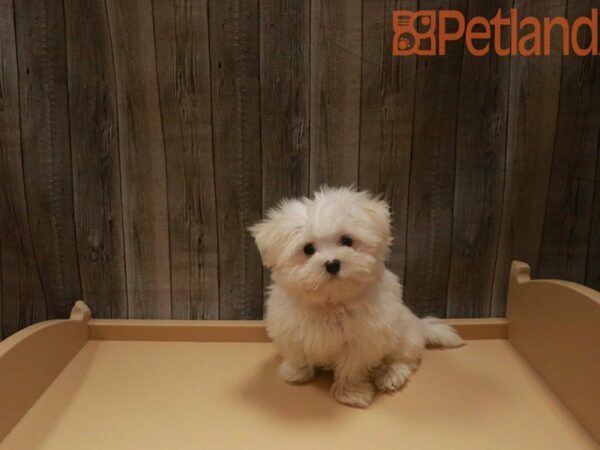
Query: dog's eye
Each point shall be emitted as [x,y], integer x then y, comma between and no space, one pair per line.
[347,241]
[309,249]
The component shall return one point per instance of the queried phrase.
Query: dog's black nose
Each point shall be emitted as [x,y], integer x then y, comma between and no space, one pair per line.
[333,267]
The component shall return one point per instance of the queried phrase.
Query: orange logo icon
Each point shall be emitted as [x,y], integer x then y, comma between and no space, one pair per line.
[408,39]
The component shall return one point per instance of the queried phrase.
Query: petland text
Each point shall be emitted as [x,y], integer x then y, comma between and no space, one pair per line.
[428,32]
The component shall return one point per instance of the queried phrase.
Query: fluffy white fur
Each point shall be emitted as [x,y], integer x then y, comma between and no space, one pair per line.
[353,322]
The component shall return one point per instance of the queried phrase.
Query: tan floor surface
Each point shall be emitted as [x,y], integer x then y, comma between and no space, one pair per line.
[183,395]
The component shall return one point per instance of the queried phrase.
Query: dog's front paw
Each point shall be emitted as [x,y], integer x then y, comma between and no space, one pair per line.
[295,374]
[359,395]
[391,377]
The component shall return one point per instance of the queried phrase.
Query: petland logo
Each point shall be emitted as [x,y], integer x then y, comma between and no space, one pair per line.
[428,32]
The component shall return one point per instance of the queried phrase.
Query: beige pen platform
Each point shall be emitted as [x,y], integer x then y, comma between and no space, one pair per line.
[531,381]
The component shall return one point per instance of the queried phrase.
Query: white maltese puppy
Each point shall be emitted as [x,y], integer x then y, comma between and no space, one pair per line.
[332,302]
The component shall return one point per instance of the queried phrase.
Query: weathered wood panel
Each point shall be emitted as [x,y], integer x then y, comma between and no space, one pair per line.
[387,106]
[40,31]
[335,55]
[284,98]
[139,139]
[181,31]
[142,158]
[234,52]
[532,114]
[431,189]
[21,297]
[479,175]
[592,276]
[95,158]
[570,194]
[284,101]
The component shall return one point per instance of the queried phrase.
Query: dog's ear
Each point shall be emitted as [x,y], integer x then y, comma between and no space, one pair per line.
[274,234]
[376,212]
[263,232]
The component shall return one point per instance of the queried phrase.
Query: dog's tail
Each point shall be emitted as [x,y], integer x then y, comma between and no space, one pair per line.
[439,334]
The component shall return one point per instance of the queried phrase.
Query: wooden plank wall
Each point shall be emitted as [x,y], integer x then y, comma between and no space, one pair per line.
[139,139]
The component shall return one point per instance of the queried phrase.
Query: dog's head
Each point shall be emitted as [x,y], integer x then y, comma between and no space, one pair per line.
[328,246]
